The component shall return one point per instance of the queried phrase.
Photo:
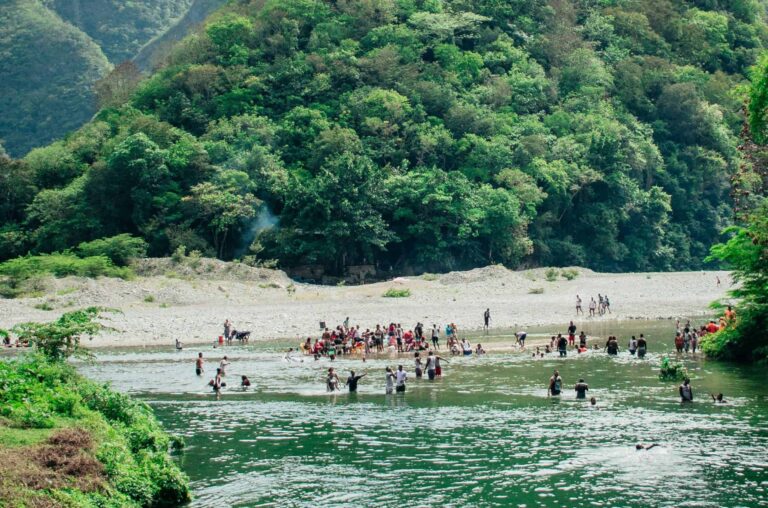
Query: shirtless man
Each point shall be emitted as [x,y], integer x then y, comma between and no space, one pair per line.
[199,364]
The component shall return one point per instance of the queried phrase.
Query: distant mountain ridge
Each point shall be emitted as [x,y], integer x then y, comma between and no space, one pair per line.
[54,50]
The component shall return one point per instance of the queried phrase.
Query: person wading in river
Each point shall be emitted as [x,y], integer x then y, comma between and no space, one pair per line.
[352,381]
[686,392]
[555,384]
[199,364]
[581,389]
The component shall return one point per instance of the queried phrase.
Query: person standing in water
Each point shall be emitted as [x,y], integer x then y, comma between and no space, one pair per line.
[686,392]
[199,364]
[581,389]
[223,366]
[571,334]
[352,381]
[642,346]
[417,365]
[555,384]
[521,335]
[487,319]
[562,345]
[435,337]
[390,380]
[332,380]
[401,377]
[217,383]
[632,346]
[431,366]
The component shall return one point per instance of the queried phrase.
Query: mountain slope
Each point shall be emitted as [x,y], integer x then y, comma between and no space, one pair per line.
[47,68]
[424,135]
[53,51]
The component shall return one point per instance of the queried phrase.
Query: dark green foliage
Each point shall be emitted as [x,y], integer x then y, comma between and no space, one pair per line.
[418,135]
[672,371]
[39,393]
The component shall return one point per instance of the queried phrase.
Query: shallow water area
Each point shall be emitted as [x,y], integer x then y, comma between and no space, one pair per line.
[485,434]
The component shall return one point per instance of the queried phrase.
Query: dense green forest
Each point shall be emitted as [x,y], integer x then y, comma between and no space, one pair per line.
[53,51]
[417,135]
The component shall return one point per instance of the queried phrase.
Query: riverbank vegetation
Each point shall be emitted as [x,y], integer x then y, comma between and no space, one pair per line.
[67,441]
[419,135]
[746,252]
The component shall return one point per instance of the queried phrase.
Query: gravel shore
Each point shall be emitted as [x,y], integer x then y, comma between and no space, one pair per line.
[169,300]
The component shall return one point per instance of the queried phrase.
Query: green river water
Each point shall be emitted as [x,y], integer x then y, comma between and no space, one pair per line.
[486,434]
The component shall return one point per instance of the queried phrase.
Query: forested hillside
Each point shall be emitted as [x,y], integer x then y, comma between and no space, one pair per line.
[53,51]
[417,135]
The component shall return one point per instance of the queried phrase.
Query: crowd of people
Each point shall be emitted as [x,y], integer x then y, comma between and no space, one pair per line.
[424,344]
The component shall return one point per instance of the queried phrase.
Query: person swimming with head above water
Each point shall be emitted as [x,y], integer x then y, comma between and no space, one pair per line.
[718,399]
[645,447]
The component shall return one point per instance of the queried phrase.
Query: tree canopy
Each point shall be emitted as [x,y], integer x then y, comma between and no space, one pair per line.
[417,135]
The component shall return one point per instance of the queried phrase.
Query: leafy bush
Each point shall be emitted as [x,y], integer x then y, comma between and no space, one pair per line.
[60,339]
[536,291]
[551,274]
[569,273]
[119,249]
[149,299]
[397,293]
[672,371]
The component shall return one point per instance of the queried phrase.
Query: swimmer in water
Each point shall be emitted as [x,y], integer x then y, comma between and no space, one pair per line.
[718,399]
[644,447]
[593,403]
[245,382]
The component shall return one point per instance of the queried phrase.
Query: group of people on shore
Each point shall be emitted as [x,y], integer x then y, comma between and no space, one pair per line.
[596,308]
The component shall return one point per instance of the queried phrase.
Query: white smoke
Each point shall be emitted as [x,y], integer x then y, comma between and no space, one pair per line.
[264,220]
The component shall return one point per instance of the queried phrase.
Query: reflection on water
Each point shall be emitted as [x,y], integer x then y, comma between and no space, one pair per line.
[484,435]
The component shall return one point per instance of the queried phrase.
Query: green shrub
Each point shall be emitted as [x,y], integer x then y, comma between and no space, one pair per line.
[672,371]
[179,254]
[430,277]
[149,299]
[119,249]
[23,275]
[551,274]
[569,273]
[44,306]
[536,291]
[397,293]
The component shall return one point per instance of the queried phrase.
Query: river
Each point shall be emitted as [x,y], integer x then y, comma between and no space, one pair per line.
[486,434]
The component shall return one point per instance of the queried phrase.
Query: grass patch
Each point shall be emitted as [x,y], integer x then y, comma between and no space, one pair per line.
[67,291]
[13,437]
[430,277]
[397,293]
[44,306]
[536,291]
[270,285]
[149,299]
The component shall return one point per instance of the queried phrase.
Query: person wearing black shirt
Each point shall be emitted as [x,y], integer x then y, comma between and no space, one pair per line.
[352,381]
